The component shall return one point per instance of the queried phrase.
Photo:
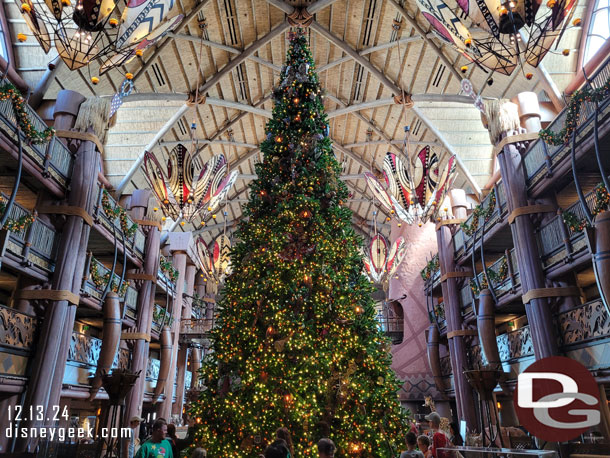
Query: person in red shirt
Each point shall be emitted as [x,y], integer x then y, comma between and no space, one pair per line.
[439,438]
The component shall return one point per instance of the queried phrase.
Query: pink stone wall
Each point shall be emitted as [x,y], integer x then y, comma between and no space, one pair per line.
[410,360]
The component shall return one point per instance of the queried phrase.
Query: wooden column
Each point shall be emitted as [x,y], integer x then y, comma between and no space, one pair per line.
[191,270]
[178,245]
[524,239]
[145,304]
[457,346]
[49,364]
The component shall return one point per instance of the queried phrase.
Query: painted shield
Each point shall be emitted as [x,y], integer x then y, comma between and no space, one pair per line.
[206,262]
[220,194]
[140,18]
[221,253]
[396,255]
[156,178]
[180,173]
[378,253]
[405,215]
[398,178]
[378,191]
[36,25]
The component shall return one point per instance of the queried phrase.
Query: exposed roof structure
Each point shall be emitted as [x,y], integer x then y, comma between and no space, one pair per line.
[366,51]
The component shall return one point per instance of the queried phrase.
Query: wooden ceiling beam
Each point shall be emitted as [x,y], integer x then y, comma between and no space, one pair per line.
[211,44]
[201,141]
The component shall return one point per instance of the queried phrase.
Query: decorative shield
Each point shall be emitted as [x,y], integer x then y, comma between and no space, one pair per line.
[378,191]
[221,254]
[206,262]
[378,254]
[396,255]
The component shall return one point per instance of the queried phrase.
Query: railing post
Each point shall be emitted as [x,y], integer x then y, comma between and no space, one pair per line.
[565,234]
[511,271]
[28,243]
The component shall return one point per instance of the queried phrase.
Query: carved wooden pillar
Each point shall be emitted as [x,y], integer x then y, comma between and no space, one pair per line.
[524,239]
[457,346]
[191,270]
[49,364]
[195,366]
[145,304]
[178,245]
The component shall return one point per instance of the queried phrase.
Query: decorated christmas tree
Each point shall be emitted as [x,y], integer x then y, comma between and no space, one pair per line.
[297,344]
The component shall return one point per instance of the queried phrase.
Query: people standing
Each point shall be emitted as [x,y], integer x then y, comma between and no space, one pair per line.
[277,449]
[326,448]
[134,438]
[455,438]
[157,446]
[411,441]
[284,434]
[423,443]
[439,438]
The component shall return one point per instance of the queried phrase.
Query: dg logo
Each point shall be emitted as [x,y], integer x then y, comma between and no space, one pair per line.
[557,399]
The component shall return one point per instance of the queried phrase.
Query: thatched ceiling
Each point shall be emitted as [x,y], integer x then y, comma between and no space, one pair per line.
[362,62]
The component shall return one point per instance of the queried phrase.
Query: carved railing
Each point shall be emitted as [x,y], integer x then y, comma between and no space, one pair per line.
[164,281]
[541,159]
[17,330]
[152,369]
[501,286]
[160,318]
[85,350]
[511,346]
[586,323]
[462,242]
[136,242]
[93,290]
[131,302]
[557,242]
[391,326]
[467,298]
[196,327]
[53,158]
[34,245]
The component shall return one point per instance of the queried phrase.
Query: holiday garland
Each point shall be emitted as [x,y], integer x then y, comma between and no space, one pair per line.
[114,211]
[432,266]
[602,200]
[495,277]
[168,269]
[586,94]
[100,281]
[35,137]
[12,224]
[479,210]
[439,311]
[159,314]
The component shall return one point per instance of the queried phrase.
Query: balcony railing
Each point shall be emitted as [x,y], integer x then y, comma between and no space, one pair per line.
[512,346]
[586,323]
[503,284]
[85,350]
[540,159]
[90,287]
[136,242]
[196,327]
[35,245]
[557,242]
[17,330]
[53,158]
[152,369]
[131,302]
[160,318]
[462,242]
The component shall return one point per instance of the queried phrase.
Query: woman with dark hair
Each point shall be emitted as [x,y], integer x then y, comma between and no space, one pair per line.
[284,434]
[455,436]
[278,449]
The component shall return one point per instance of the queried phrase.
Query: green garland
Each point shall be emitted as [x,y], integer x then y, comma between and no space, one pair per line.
[432,266]
[168,269]
[100,281]
[15,225]
[479,211]
[439,311]
[35,137]
[602,201]
[586,94]
[159,314]
[114,211]
[496,277]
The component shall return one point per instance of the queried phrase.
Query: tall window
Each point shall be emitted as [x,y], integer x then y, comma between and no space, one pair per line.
[599,29]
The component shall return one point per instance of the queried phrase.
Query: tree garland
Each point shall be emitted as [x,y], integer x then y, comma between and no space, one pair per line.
[9,92]
[602,201]
[168,269]
[496,277]
[432,266]
[159,314]
[586,94]
[12,224]
[100,281]
[479,211]
[114,211]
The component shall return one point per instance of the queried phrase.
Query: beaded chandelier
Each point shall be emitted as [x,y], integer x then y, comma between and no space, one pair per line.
[381,262]
[214,261]
[84,31]
[499,35]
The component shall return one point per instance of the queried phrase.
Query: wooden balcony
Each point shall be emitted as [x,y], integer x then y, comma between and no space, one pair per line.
[18,333]
[92,290]
[32,250]
[196,328]
[544,163]
[51,160]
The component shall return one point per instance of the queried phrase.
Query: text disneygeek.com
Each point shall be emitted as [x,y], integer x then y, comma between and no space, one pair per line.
[61,434]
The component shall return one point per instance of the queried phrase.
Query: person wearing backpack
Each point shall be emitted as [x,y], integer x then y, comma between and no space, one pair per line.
[439,438]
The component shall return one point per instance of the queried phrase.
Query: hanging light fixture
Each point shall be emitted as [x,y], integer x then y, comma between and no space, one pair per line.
[381,261]
[415,192]
[498,35]
[184,192]
[84,31]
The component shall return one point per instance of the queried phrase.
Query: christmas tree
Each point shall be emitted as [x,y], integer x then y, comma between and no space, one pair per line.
[297,343]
